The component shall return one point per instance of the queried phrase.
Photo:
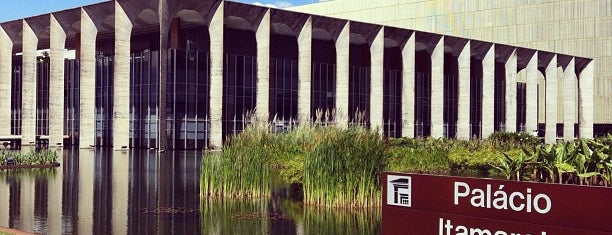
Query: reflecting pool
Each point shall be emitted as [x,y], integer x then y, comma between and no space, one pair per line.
[144,192]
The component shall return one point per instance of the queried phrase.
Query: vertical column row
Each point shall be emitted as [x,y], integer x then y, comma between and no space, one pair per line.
[262,36]
[342,76]
[488,96]
[569,101]
[377,55]
[6,50]
[585,100]
[531,110]
[408,89]
[89,32]
[28,91]
[437,90]
[56,84]
[464,108]
[511,72]
[304,71]
[551,101]
[121,95]
[216,77]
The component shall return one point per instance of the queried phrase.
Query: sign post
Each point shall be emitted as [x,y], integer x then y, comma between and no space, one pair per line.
[445,205]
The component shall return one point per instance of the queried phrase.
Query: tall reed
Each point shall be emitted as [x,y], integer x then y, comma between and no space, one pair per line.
[343,169]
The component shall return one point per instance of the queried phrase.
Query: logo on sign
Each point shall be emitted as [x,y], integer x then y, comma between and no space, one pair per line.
[399,190]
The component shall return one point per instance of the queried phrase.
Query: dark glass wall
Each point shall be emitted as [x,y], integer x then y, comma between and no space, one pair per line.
[451,95]
[71,101]
[359,85]
[476,98]
[239,79]
[283,98]
[144,95]
[323,87]
[392,93]
[521,106]
[422,120]
[16,84]
[500,97]
[104,100]
[187,99]
[42,96]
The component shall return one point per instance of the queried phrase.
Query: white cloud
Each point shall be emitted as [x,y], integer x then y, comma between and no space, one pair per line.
[278,4]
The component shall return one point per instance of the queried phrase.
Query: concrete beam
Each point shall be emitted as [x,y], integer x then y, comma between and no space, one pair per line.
[342,76]
[569,100]
[262,36]
[6,60]
[166,25]
[28,91]
[511,73]
[215,31]
[56,83]
[488,92]
[121,83]
[585,101]
[304,71]
[377,58]
[551,101]
[408,90]
[463,118]
[437,90]
[531,109]
[87,83]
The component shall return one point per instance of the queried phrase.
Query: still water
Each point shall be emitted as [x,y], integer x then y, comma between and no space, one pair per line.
[143,192]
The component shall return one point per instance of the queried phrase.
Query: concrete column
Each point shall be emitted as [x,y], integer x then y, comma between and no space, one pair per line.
[585,101]
[216,77]
[304,71]
[121,83]
[54,208]
[569,100]
[488,95]
[86,191]
[262,37]
[531,110]
[437,90]
[377,59]
[120,195]
[6,50]
[28,90]
[511,72]
[56,84]
[463,118]
[87,134]
[551,102]
[342,76]
[408,92]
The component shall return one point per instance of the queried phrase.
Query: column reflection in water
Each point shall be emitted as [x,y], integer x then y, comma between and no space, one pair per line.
[163,192]
[53,185]
[70,191]
[85,191]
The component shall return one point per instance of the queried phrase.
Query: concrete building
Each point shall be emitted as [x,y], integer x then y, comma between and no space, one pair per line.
[576,27]
[182,74]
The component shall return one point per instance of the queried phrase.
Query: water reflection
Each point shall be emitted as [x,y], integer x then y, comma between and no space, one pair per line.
[142,192]
[105,192]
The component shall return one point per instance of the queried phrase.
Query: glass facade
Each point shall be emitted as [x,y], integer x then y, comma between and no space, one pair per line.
[283,93]
[71,101]
[104,100]
[187,99]
[476,98]
[500,98]
[359,96]
[392,103]
[521,106]
[144,95]
[42,96]
[239,92]
[323,91]
[16,84]
[422,95]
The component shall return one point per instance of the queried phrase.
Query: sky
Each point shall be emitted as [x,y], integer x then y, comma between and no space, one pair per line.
[18,9]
